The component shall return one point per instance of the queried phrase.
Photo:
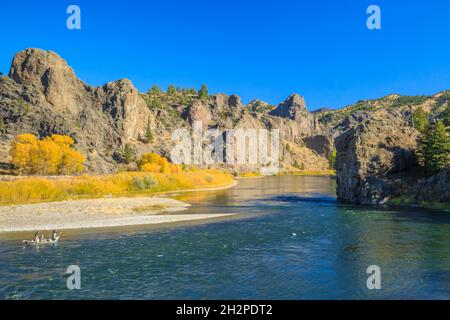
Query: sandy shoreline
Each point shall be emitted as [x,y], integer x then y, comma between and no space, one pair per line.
[103,213]
[95,213]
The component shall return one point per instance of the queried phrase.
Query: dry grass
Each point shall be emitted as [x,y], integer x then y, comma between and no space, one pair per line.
[308,173]
[252,174]
[41,189]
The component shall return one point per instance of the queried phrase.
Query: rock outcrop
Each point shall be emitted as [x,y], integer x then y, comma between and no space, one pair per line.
[293,108]
[199,111]
[374,158]
[435,188]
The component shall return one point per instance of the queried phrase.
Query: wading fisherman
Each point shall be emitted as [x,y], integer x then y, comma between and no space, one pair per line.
[36,238]
[55,236]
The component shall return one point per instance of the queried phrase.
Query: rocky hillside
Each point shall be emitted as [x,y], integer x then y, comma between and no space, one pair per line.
[42,95]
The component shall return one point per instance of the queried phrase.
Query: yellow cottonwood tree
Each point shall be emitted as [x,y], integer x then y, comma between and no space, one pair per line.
[21,152]
[51,156]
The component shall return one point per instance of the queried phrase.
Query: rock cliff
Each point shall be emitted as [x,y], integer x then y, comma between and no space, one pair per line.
[372,156]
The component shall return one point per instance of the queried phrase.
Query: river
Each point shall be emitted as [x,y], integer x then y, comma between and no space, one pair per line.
[291,240]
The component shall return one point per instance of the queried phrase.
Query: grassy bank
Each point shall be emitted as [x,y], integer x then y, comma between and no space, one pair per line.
[253,174]
[308,173]
[411,201]
[45,189]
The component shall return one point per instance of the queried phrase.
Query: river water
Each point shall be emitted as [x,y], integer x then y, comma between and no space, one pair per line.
[291,240]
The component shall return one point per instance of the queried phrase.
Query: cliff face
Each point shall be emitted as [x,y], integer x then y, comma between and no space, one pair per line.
[374,157]
[435,189]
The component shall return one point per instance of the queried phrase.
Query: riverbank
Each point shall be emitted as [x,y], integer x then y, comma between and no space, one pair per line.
[410,201]
[31,190]
[96,213]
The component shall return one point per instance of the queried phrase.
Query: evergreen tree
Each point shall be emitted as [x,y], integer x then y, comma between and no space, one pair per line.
[128,154]
[420,119]
[148,133]
[434,148]
[154,90]
[447,115]
[203,92]
[171,90]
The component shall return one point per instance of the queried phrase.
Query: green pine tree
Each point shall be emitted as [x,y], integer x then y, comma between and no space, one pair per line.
[447,115]
[128,154]
[148,133]
[171,90]
[420,119]
[434,149]
[154,90]
[203,92]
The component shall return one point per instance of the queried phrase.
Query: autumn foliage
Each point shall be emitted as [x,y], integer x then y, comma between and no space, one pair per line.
[41,189]
[152,162]
[52,155]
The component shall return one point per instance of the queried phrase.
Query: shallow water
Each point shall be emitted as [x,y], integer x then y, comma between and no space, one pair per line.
[291,241]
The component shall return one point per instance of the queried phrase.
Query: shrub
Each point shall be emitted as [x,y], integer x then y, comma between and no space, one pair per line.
[138,183]
[332,160]
[150,167]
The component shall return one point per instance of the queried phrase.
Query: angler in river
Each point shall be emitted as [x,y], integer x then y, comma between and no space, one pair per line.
[40,239]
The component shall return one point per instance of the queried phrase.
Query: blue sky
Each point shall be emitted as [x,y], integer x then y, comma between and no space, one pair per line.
[257,49]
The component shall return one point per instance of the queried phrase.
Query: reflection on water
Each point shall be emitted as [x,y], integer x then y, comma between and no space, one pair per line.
[292,241]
